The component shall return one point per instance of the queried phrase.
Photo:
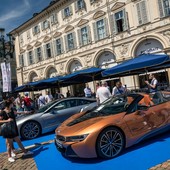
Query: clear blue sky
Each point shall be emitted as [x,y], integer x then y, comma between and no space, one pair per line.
[13,13]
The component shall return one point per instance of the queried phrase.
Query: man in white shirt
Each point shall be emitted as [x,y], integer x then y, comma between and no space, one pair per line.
[118,89]
[102,93]
[87,91]
[153,85]
[48,97]
[41,101]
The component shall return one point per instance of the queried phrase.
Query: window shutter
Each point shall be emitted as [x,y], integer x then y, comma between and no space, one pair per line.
[125,19]
[79,37]
[63,14]
[144,12]
[161,8]
[33,31]
[106,27]
[113,24]
[89,34]
[95,32]
[66,43]
[71,10]
[23,58]
[74,40]
[36,57]
[55,47]
[28,58]
[139,13]
[62,45]
[75,6]
[20,61]
[51,49]
[42,26]
[44,52]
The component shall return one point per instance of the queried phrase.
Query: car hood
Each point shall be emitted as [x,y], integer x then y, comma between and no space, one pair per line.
[75,125]
[27,116]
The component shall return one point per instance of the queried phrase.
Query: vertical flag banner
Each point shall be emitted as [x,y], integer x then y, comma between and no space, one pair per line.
[8,69]
[6,76]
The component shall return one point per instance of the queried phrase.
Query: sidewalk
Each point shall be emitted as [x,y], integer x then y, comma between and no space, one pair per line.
[163,166]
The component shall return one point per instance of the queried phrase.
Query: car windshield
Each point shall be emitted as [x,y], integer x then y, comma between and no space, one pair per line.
[113,105]
[42,109]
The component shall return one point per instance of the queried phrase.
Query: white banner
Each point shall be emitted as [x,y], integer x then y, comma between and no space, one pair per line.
[8,68]
[6,76]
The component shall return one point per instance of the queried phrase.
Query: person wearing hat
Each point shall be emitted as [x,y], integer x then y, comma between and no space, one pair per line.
[102,93]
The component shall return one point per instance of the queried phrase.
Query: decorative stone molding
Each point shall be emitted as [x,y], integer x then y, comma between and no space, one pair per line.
[82,22]
[123,49]
[68,28]
[57,34]
[117,5]
[22,50]
[98,14]
[61,66]
[29,47]
[37,44]
[167,34]
[46,39]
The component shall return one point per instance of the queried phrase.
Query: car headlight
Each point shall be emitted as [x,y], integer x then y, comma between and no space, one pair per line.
[76,138]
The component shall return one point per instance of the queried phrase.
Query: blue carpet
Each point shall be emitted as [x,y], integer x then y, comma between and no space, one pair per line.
[139,157]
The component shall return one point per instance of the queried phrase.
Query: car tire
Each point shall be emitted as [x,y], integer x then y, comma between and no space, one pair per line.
[30,130]
[110,143]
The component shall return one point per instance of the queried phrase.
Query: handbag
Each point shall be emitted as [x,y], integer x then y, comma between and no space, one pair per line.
[8,130]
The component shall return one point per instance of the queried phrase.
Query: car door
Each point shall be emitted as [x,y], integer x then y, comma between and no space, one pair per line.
[159,114]
[137,122]
[136,117]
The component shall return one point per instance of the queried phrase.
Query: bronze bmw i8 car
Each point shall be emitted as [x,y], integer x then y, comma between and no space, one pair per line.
[117,123]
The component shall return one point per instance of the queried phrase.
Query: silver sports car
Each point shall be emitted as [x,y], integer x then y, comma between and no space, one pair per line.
[48,118]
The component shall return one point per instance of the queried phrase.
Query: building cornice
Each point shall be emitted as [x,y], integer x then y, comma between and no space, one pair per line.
[36,18]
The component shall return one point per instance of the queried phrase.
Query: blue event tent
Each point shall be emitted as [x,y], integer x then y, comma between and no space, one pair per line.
[137,65]
[81,76]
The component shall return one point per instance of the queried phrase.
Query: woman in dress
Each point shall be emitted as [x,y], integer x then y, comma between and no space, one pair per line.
[6,116]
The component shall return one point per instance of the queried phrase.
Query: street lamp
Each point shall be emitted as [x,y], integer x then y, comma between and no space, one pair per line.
[6,52]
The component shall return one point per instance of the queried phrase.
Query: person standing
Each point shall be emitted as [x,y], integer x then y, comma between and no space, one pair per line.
[153,85]
[48,97]
[27,102]
[8,115]
[118,89]
[87,91]
[102,93]
[18,103]
[41,101]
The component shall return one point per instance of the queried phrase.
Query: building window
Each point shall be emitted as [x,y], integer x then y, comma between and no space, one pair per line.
[39,54]
[53,18]
[30,57]
[84,35]
[80,4]
[48,50]
[28,35]
[21,39]
[45,25]
[142,12]
[101,31]
[36,30]
[21,60]
[58,46]
[120,21]
[164,7]
[93,1]
[67,12]
[70,41]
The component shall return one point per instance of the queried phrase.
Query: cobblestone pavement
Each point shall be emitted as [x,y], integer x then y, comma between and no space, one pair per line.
[28,163]
[163,166]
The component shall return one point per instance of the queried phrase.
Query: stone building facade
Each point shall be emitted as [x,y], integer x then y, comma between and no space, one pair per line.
[70,35]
